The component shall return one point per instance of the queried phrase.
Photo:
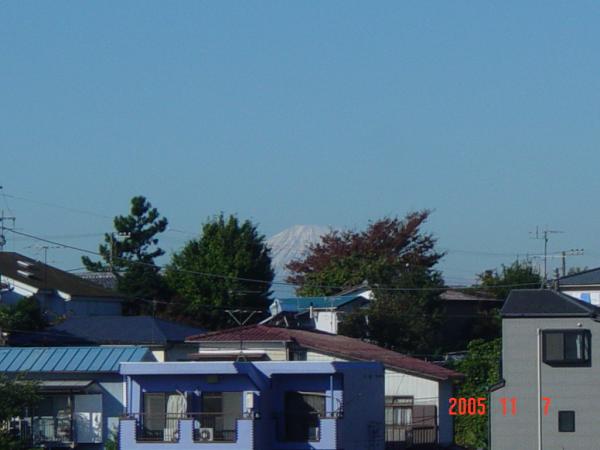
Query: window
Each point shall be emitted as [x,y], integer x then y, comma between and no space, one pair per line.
[566,347]
[52,419]
[302,413]
[566,421]
[220,412]
[298,355]
[162,411]
[398,418]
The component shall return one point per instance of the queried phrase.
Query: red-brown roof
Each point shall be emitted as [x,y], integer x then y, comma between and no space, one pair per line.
[332,344]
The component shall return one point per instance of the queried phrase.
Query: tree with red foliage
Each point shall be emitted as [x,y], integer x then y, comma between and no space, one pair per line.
[391,251]
[397,260]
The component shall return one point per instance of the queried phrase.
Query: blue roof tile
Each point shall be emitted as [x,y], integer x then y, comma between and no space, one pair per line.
[70,359]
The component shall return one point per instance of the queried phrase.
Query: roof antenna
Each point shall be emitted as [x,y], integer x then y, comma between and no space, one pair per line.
[241,321]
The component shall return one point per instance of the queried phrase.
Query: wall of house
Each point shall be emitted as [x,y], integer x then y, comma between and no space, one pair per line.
[326,321]
[276,351]
[570,388]
[589,295]
[424,392]
[364,413]
[179,352]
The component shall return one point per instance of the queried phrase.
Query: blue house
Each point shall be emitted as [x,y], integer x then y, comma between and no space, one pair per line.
[291,405]
[82,393]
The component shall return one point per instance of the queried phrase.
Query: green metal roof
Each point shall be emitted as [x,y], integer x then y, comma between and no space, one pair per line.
[70,359]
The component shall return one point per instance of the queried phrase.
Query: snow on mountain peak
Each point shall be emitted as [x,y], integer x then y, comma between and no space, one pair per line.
[292,243]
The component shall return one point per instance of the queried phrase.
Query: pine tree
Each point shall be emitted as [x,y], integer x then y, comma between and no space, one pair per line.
[130,252]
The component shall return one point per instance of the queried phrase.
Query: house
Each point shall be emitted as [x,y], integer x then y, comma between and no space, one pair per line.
[253,406]
[82,393]
[58,292]
[165,339]
[550,384]
[460,308]
[465,317]
[319,313]
[583,285]
[416,392]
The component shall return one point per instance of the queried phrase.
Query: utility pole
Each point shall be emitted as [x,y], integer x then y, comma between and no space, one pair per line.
[563,256]
[543,234]
[571,252]
[3,219]
[45,248]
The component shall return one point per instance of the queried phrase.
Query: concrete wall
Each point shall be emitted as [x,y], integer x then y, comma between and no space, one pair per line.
[570,388]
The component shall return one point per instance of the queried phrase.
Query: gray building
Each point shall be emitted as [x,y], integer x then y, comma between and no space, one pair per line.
[550,374]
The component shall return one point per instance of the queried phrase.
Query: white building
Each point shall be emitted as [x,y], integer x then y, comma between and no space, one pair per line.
[584,286]
[318,313]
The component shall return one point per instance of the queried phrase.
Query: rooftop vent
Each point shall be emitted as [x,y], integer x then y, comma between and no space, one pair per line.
[25,264]
[25,273]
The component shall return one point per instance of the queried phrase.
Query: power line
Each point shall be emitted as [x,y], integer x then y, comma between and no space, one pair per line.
[253,280]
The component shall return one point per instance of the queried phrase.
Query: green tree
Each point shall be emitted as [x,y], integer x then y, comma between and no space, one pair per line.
[481,368]
[231,250]
[520,274]
[406,322]
[129,253]
[16,394]
[25,315]
[391,251]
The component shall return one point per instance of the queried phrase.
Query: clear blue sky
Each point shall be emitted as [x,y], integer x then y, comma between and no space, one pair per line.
[311,112]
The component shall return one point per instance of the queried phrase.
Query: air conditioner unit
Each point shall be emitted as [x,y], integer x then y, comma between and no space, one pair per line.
[206,434]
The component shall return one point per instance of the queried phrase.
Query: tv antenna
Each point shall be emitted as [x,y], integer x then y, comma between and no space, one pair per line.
[241,317]
[544,235]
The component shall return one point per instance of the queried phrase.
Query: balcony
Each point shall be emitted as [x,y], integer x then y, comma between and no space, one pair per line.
[202,430]
[45,431]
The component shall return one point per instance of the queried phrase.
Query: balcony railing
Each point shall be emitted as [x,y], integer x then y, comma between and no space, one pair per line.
[46,430]
[207,427]
[214,427]
[158,427]
[401,436]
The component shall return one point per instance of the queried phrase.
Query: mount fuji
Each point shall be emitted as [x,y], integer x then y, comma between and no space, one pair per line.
[289,244]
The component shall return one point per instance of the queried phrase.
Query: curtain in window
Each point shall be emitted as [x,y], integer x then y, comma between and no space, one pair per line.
[176,409]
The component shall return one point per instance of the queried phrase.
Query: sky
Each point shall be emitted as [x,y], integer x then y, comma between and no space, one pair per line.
[332,113]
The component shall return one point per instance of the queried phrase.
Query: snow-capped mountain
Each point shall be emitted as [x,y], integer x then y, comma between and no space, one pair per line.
[291,244]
